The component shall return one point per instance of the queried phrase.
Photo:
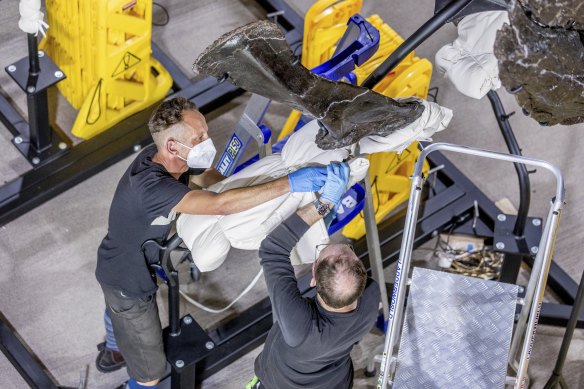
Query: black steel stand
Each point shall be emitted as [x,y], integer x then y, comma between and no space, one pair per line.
[31,369]
[517,236]
[34,74]
[430,27]
[186,343]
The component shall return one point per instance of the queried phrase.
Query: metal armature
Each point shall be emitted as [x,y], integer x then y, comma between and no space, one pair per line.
[523,337]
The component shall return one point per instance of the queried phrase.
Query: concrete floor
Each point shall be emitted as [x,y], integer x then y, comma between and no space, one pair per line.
[48,290]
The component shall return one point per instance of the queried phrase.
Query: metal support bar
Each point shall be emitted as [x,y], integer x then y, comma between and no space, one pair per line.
[522,175]
[23,359]
[421,34]
[11,118]
[38,112]
[560,282]
[557,377]
[374,249]
[34,74]
[247,130]
[173,304]
[37,101]
[558,315]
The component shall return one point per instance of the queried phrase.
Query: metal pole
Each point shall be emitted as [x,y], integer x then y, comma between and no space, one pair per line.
[519,333]
[556,377]
[432,25]
[522,175]
[547,241]
[373,246]
[401,279]
[173,304]
[33,55]
[173,285]
[37,101]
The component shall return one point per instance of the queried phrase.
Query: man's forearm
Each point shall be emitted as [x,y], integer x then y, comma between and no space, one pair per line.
[208,178]
[242,199]
[309,214]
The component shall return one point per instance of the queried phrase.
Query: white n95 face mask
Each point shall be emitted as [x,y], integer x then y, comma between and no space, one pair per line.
[201,156]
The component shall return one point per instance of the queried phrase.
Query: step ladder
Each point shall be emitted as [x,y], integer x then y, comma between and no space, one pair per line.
[458,330]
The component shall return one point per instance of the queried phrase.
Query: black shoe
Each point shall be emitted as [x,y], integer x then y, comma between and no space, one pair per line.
[108,360]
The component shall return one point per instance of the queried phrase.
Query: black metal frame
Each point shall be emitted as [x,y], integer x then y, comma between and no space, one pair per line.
[82,161]
[450,204]
[36,140]
[32,370]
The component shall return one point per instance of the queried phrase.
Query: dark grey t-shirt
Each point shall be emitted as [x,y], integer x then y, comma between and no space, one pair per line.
[141,209]
[308,346]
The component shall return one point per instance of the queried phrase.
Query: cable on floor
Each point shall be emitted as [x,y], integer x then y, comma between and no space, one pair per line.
[166,15]
[197,304]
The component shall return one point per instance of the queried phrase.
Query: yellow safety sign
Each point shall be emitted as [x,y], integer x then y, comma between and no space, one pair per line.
[104,47]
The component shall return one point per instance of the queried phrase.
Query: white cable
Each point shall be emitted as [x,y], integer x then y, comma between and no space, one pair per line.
[31,17]
[212,310]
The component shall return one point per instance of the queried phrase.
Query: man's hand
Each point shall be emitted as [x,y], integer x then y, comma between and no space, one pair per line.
[307,179]
[336,182]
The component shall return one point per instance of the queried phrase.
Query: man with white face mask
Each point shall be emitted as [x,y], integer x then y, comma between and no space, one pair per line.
[148,197]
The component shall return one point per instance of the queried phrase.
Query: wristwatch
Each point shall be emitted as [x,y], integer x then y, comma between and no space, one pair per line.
[323,209]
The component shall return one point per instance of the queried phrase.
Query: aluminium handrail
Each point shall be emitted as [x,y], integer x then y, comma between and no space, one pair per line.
[546,245]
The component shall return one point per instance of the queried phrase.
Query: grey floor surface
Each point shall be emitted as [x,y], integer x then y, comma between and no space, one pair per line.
[47,287]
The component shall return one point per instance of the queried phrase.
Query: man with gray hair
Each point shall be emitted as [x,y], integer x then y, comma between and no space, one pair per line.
[148,197]
[310,343]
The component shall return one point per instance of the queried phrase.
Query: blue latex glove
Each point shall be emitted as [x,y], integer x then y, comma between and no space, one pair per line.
[307,179]
[336,182]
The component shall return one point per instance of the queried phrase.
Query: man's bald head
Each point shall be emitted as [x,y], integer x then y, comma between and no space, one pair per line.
[340,276]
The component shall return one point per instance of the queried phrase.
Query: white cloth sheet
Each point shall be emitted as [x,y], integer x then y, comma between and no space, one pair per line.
[210,237]
[469,62]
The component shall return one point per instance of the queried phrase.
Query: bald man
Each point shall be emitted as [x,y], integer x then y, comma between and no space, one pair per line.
[149,195]
[310,343]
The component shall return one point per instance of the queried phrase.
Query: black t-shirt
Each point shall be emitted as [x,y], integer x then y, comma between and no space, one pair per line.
[308,346]
[141,210]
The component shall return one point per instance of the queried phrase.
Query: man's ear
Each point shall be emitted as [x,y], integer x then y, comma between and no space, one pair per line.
[313,280]
[171,146]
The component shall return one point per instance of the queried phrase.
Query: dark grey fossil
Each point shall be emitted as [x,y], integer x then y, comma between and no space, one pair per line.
[257,58]
[541,59]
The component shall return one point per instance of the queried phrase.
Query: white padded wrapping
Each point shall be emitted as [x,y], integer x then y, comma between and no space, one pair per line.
[469,62]
[210,237]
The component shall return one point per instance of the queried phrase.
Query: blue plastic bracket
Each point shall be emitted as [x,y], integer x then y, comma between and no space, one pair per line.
[358,44]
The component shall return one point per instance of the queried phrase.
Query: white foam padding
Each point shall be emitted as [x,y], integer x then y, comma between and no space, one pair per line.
[31,18]
[469,62]
[435,118]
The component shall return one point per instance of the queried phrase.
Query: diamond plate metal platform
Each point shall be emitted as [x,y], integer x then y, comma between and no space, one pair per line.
[457,332]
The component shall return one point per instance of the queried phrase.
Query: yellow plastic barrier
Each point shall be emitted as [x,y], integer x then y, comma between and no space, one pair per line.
[390,184]
[324,24]
[104,48]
